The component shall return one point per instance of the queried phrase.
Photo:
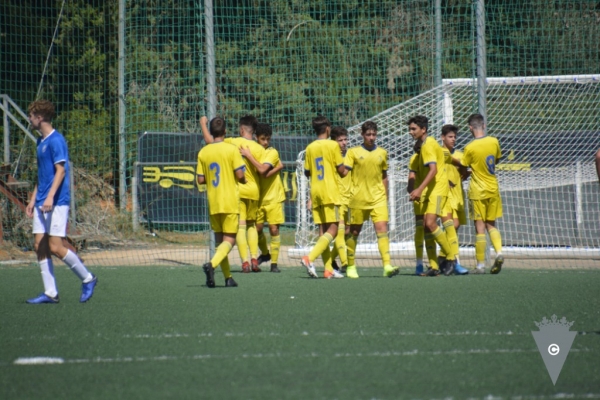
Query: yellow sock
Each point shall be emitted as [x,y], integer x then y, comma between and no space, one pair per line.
[275,244]
[440,237]
[351,248]
[496,240]
[262,243]
[226,268]
[322,244]
[431,251]
[383,243]
[419,238]
[340,245]
[480,244]
[452,236]
[242,243]
[326,256]
[252,239]
[220,254]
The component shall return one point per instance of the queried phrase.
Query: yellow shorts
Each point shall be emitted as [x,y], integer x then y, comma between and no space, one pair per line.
[248,209]
[225,223]
[344,214]
[486,209]
[377,214]
[327,213]
[271,213]
[460,215]
[438,205]
[418,208]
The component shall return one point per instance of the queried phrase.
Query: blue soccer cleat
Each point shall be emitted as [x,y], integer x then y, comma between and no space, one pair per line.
[460,270]
[87,289]
[43,298]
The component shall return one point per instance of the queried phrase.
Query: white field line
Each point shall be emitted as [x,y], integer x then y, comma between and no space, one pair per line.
[385,354]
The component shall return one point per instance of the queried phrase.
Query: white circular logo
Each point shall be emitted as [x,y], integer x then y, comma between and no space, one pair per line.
[553,349]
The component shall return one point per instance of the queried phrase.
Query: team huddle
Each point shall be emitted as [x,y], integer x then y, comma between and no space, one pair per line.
[347,188]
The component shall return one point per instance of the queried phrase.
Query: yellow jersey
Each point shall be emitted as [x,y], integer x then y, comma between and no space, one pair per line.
[455,194]
[250,189]
[345,185]
[367,168]
[414,165]
[271,188]
[322,158]
[481,155]
[432,153]
[217,162]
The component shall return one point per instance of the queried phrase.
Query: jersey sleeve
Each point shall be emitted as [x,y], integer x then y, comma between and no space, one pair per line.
[466,158]
[349,160]
[271,158]
[339,160]
[384,165]
[200,167]
[238,161]
[59,151]
[428,152]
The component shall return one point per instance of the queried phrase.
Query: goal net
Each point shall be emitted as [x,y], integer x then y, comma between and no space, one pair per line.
[549,131]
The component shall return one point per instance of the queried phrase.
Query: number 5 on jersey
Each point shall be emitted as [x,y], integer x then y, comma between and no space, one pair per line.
[320,168]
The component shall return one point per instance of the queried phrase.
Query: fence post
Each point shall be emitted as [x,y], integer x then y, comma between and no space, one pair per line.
[121,97]
[135,213]
[481,58]
[6,132]
[579,202]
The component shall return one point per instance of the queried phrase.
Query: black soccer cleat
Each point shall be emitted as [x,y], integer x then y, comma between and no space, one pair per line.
[229,282]
[497,265]
[263,258]
[274,268]
[431,272]
[210,275]
[449,267]
[335,266]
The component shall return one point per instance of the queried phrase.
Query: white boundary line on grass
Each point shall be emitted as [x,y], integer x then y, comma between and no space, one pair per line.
[408,353]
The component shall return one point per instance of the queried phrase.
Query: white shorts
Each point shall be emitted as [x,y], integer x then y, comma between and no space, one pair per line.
[54,223]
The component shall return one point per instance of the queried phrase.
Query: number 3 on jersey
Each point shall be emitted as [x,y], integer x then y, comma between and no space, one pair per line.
[491,164]
[216,170]
[320,168]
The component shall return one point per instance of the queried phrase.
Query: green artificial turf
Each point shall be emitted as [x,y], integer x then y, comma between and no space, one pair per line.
[158,332]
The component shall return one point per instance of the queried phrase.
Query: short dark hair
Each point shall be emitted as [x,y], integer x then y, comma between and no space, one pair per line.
[250,121]
[476,121]
[217,127]
[338,131]
[263,129]
[368,126]
[43,108]
[446,129]
[420,120]
[320,124]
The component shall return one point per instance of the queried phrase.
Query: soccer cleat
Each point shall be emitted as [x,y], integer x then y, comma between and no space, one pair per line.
[343,269]
[497,265]
[389,271]
[87,289]
[263,258]
[210,275]
[478,271]
[43,298]
[442,263]
[333,274]
[274,268]
[419,269]
[254,263]
[246,267]
[449,267]
[335,266]
[310,268]
[459,269]
[431,272]
[351,272]
[229,282]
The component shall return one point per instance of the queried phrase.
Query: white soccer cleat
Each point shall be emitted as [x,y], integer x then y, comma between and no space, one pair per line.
[310,268]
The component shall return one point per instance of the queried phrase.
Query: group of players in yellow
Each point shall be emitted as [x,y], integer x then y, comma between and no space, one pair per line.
[347,187]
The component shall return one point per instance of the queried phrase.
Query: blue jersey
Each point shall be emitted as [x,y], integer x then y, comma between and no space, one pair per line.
[51,151]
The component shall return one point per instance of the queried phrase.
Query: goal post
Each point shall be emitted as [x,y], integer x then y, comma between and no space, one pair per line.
[549,131]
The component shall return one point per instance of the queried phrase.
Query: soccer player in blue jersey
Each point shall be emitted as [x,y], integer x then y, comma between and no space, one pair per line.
[49,206]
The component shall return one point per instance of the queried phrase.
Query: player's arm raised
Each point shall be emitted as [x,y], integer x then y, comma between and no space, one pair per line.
[208,138]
